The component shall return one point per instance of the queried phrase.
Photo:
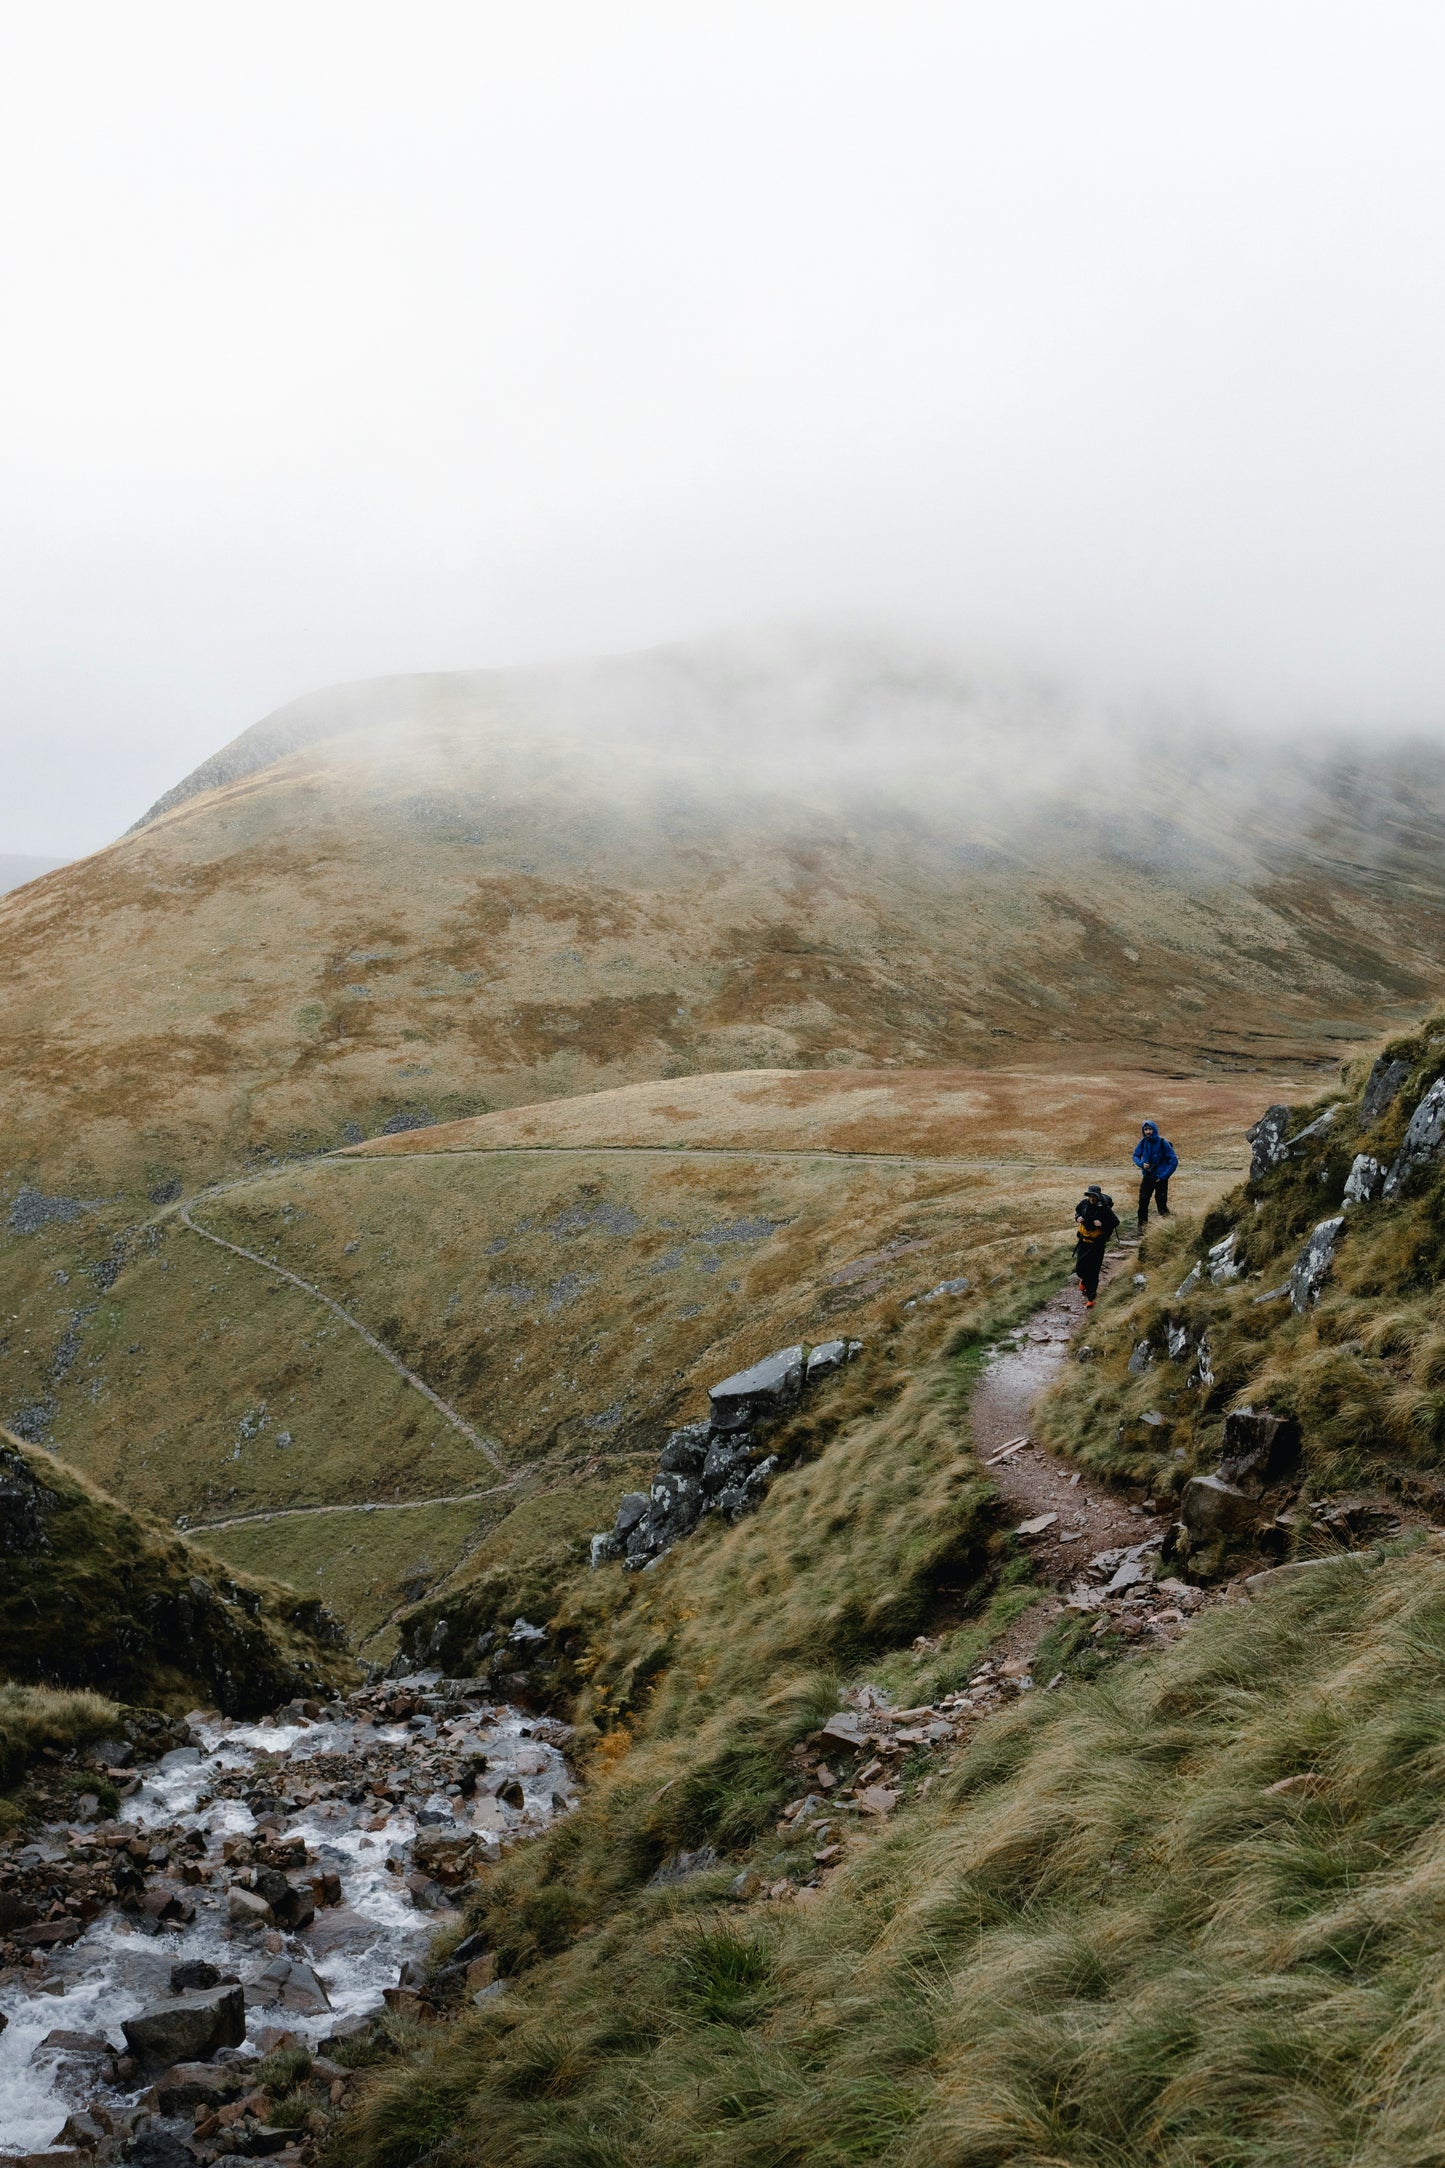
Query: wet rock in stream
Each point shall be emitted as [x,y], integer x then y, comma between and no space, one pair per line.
[260,1883]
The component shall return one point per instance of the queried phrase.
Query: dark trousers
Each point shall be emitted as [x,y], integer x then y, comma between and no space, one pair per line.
[1157,1187]
[1089,1263]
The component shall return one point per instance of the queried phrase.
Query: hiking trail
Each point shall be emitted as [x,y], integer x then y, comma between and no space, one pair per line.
[307,1287]
[1091,1516]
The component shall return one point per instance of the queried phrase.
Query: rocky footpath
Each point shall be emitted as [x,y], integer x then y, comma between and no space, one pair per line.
[870,1755]
[719,1465]
[198,1971]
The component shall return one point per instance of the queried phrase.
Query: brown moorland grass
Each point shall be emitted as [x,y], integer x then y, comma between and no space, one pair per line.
[488,909]
[569,1306]
[994,1115]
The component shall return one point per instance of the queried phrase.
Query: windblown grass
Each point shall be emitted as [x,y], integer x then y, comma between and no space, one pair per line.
[1104,1939]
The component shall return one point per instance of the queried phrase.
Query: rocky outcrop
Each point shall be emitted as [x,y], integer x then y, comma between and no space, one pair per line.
[1383,1088]
[718,1466]
[1312,1133]
[1365,1180]
[1267,1141]
[1212,1507]
[1312,1266]
[1260,1447]
[1261,1451]
[1424,1139]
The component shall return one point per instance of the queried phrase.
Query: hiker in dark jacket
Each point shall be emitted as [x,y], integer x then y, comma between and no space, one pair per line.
[1156,1159]
[1094,1221]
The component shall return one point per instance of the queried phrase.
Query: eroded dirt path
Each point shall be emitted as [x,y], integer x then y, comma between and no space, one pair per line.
[1090,1516]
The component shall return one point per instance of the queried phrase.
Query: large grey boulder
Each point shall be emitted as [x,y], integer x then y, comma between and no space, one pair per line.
[1312,1266]
[685,1450]
[1423,1139]
[1211,1507]
[1259,1446]
[1222,1264]
[830,1355]
[1383,1087]
[1267,1141]
[189,2029]
[632,1510]
[1365,1179]
[768,1389]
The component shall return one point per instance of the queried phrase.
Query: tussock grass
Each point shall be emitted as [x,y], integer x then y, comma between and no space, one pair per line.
[1102,1940]
[35,1717]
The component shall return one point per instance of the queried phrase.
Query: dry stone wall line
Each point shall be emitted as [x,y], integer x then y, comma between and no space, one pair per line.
[458,1422]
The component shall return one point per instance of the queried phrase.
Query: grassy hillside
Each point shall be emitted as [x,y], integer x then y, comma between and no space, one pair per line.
[433,897]
[1177,1910]
[567,1299]
[1108,1935]
[95,1596]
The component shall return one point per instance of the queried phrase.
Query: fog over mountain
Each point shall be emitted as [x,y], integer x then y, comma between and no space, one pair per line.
[1101,346]
[422,898]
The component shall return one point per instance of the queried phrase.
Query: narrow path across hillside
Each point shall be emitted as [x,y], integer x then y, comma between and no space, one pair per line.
[1091,1518]
[458,1422]
[358,1155]
[363,1505]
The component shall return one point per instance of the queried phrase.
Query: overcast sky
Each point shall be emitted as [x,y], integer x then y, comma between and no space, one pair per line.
[341,339]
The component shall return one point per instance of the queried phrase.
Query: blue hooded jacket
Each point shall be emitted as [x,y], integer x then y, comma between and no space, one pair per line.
[1154,1154]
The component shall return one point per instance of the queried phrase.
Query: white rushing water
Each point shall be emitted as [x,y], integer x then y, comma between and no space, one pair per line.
[122,1962]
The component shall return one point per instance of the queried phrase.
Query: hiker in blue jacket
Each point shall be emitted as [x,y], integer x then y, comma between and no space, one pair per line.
[1156,1159]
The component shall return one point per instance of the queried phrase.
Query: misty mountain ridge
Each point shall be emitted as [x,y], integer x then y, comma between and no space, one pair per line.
[811,729]
[422,898]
